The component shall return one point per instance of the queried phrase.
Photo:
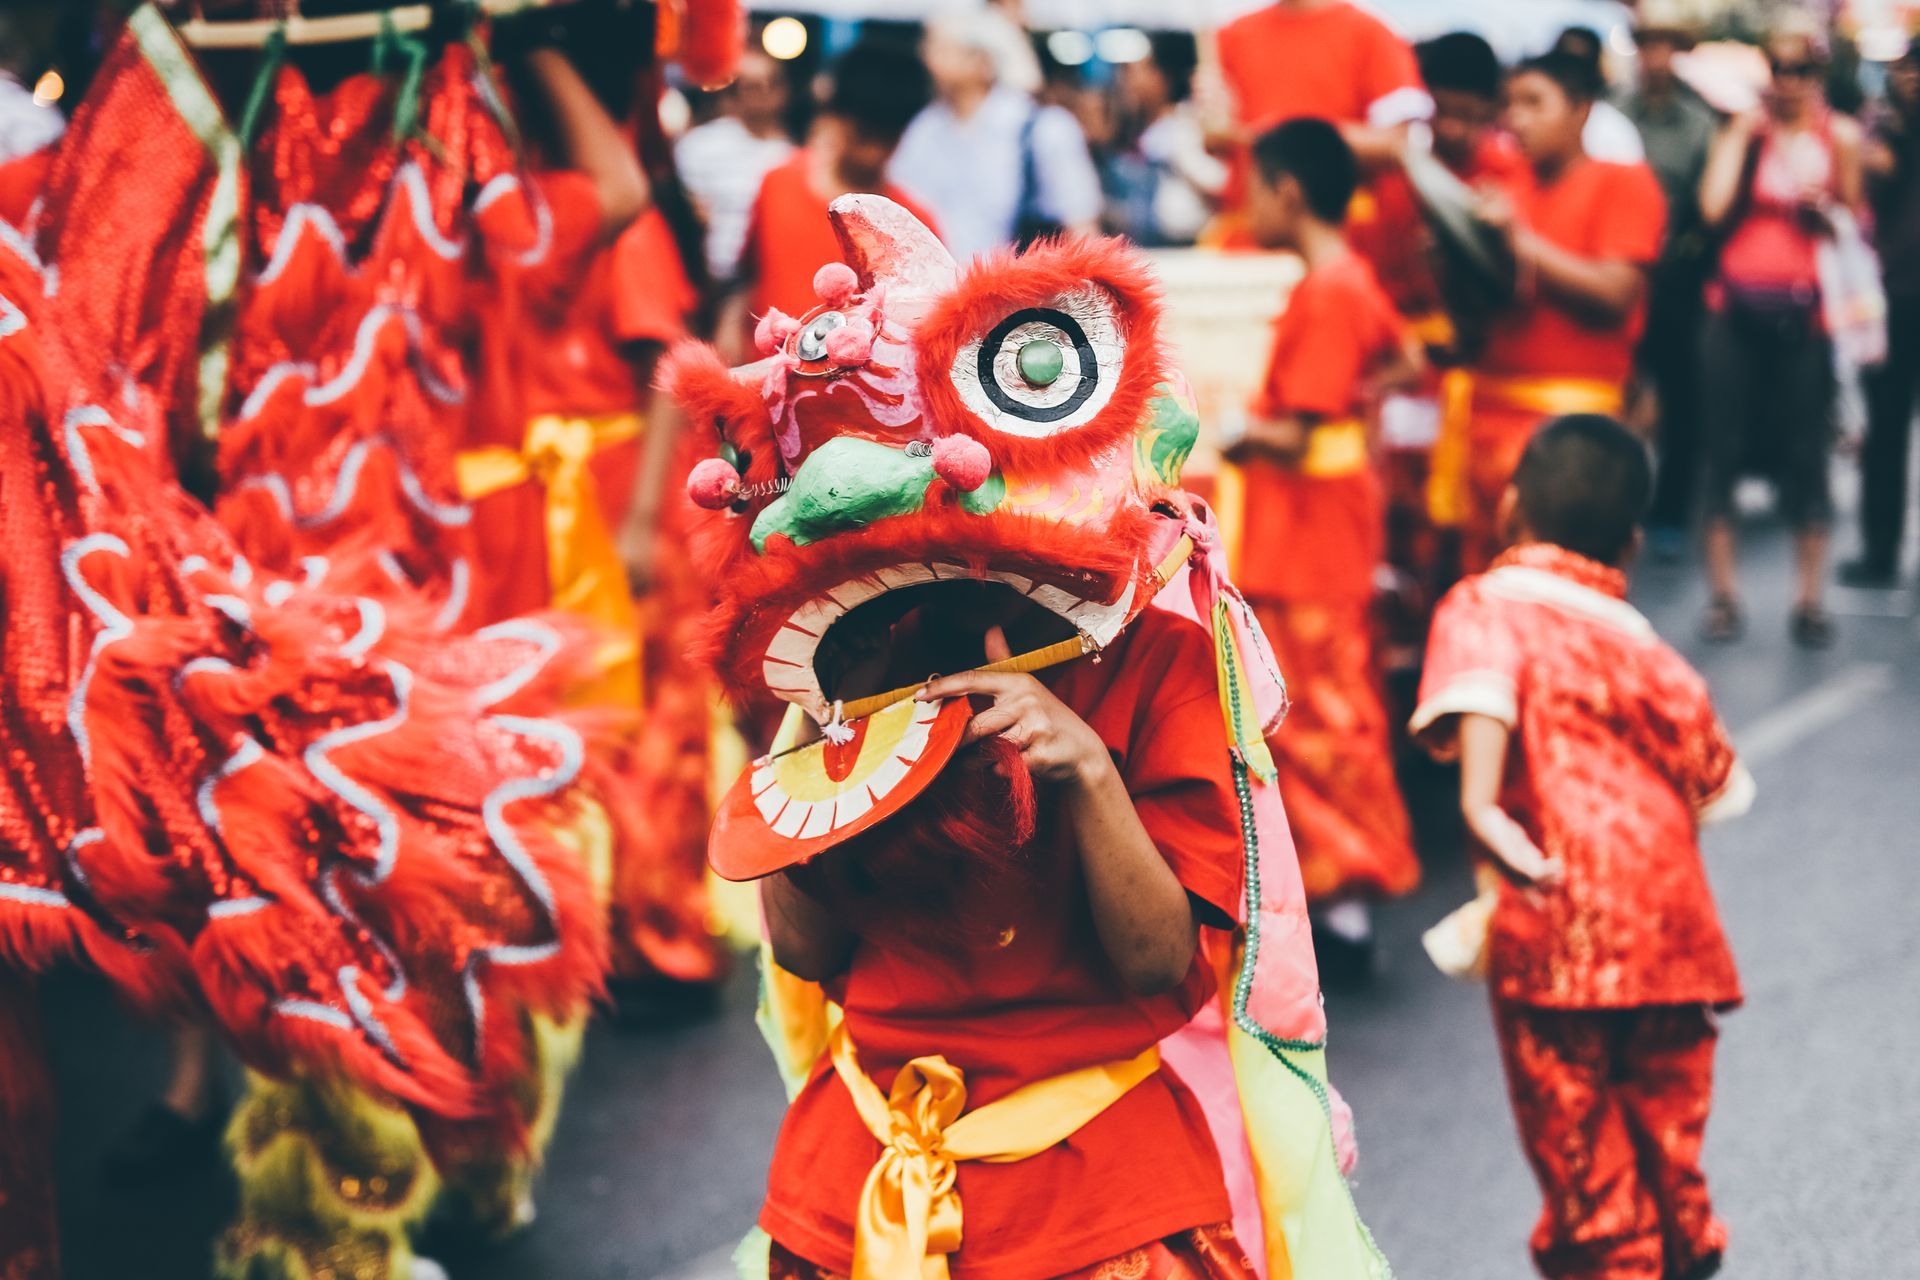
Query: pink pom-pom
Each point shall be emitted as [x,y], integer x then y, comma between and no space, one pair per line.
[851,343]
[713,483]
[1346,1147]
[835,283]
[962,462]
[774,329]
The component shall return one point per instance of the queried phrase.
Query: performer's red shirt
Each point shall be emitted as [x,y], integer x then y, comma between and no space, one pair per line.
[1042,999]
[1336,61]
[588,299]
[563,343]
[1616,756]
[1598,210]
[1310,537]
[789,237]
[1395,239]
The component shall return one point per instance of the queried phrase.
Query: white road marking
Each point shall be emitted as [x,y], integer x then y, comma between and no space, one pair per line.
[1851,603]
[717,1265]
[1806,714]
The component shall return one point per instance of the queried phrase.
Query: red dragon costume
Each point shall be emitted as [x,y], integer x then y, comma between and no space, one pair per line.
[274,789]
[1007,429]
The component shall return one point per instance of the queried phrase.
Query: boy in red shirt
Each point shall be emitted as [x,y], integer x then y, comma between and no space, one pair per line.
[1314,527]
[1589,755]
[1585,233]
[877,91]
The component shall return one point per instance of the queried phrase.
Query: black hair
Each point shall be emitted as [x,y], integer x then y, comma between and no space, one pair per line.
[1177,54]
[1577,78]
[1312,153]
[1460,62]
[1588,40]
[878,88]
[1584,483]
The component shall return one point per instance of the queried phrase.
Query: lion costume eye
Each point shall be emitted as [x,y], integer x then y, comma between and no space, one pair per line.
[1044,370]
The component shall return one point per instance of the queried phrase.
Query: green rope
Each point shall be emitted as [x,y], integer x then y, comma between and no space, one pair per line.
[274,53]
[394,50]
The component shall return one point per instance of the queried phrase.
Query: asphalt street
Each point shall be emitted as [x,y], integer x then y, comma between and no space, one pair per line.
[659,1161]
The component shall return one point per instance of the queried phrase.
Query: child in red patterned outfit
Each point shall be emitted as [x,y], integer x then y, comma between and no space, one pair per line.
[1590,754]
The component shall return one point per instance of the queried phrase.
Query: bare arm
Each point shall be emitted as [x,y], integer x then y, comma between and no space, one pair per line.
[638,535]
[1374,147]
[590,141]
[1849,163]
[1140,909]
[1282,439]
[1602,290]
[1726,162]
[1483,763]
[807,941]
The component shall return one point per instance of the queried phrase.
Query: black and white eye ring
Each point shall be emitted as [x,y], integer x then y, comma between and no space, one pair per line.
[1044,369]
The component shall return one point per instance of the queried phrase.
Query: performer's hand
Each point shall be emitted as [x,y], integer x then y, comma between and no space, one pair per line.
[1056,744]
[1282,439]
[1511,847]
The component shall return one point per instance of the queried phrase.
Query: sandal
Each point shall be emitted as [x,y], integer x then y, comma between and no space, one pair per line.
[1811,626]
[1723,622]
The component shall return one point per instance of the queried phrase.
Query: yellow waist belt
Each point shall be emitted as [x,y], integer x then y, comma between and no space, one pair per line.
[585,574]
[1461,393]
[1548,397]
[909,1213]
[1335,449]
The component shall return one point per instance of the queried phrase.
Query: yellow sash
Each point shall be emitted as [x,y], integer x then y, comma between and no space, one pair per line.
[1335,449]
[585,574]
[1462,392]
[1548,397]
[909,1213]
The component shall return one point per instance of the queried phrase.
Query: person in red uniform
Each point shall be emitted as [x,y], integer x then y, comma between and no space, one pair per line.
[1463,74]
[1313,530]
[1589,755]
[566,476]
[877,91]
[1585,233]
[1077,948]
[1322,58]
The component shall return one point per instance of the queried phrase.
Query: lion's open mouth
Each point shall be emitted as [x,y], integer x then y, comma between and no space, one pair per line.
[893,628]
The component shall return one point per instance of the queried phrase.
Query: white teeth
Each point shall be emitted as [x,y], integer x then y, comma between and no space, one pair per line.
[788,665]
[889,775]
[905,575]
[769,802]
[793,648]
[814,618]
[819,820]
[850,805]
[1101,623]
[762,776]
[792,818]
[1054,599]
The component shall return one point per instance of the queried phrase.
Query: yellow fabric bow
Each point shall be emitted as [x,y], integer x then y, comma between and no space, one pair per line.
[585,574]
[909,1214]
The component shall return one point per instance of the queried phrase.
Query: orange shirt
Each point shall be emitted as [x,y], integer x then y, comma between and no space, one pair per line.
[1598,210]
[789,237]
[587,300]
[1312,537]
[1337,62]
[1047,1002]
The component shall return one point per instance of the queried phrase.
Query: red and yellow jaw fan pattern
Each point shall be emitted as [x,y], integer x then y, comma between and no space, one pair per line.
[927,430]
